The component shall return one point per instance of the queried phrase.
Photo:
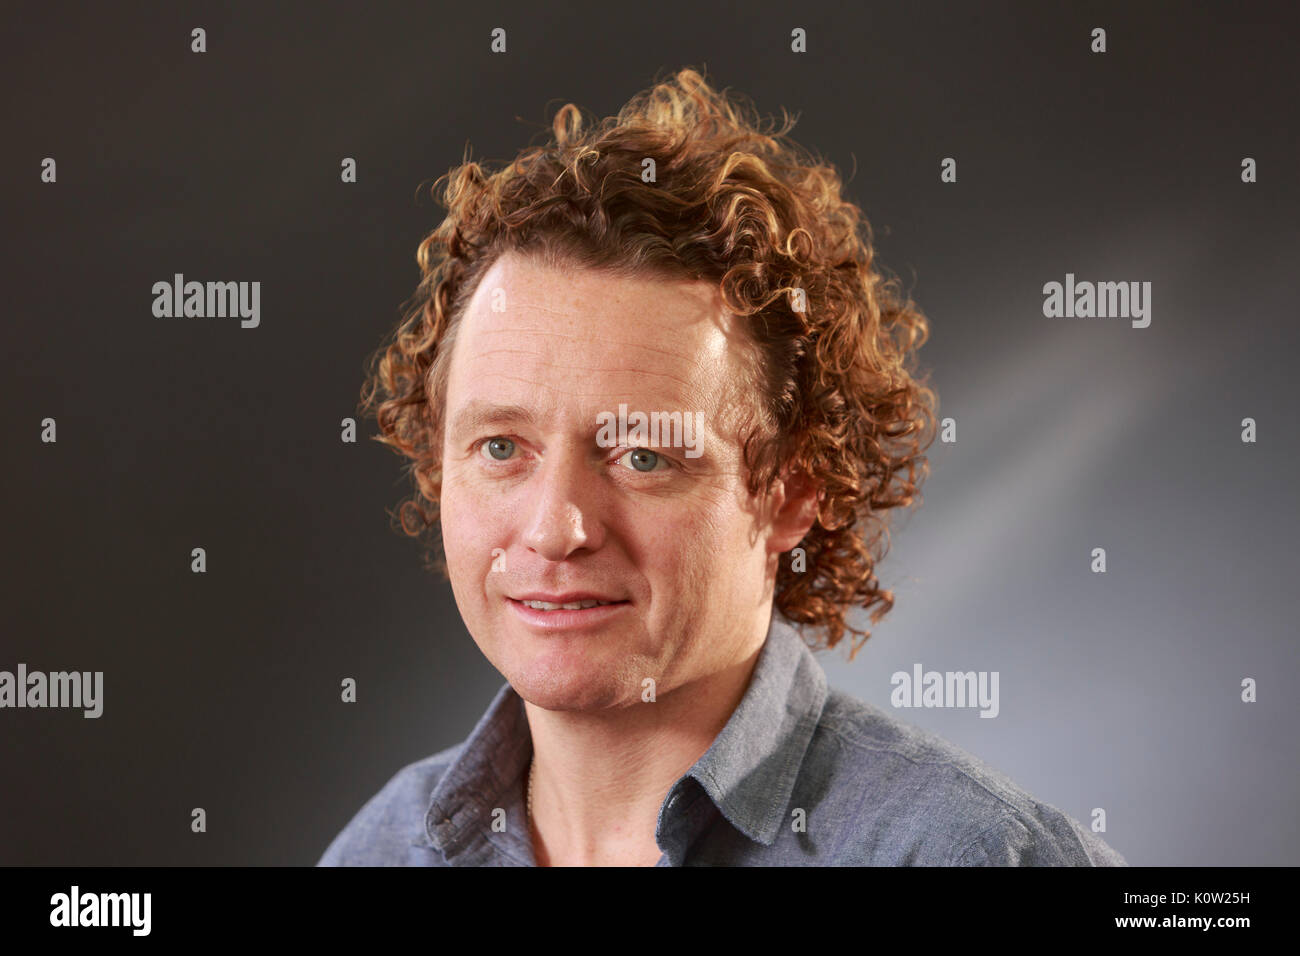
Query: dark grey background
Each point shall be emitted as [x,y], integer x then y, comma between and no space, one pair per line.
[1118,691]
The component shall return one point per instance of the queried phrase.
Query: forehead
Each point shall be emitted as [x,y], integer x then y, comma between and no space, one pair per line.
[572,342]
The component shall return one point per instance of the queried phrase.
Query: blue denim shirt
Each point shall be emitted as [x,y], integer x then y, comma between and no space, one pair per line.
[800,775]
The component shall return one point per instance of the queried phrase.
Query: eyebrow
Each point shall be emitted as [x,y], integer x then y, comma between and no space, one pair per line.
[478,415]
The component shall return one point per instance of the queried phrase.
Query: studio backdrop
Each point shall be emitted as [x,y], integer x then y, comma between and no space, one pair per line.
[1094,204]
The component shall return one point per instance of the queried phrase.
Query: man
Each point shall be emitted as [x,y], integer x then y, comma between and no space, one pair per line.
[657,402]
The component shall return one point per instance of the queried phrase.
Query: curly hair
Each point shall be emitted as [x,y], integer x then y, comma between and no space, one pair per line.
[730,199]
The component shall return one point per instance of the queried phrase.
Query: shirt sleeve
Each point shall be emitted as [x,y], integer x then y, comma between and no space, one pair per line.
[1050,839]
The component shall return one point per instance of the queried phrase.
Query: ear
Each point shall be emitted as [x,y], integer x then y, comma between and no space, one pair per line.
[794,510]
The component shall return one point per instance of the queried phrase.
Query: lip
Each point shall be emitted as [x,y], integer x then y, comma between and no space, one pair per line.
[564,619]
[567,597]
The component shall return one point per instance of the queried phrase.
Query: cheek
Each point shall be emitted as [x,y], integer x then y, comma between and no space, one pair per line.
[462,501]
[688,544]
[474,523]
[451,514]
[464,532]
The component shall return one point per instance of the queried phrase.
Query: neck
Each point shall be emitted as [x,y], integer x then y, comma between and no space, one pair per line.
[599,779]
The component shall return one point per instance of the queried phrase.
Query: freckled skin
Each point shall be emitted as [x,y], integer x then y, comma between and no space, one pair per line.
[684,543]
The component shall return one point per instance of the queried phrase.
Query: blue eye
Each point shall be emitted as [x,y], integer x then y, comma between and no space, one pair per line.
[643,457]
[499,449]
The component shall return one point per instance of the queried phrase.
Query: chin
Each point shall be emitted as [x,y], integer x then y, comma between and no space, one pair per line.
[552,685]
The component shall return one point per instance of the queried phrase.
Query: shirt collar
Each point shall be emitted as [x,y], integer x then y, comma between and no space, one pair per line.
[484,775]
[749,770]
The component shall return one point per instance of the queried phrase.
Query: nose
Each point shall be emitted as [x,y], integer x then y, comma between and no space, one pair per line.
[563,510]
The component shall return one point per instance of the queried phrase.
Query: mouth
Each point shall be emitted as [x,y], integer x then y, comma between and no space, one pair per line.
[581,605]
[567,614]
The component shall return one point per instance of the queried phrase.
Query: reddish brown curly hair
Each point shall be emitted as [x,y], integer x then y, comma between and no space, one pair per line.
[733,201]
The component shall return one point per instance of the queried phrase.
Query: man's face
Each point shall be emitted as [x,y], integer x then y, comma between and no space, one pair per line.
[532,504]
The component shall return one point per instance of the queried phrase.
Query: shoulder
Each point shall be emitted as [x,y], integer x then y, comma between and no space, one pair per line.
[390,825]
[901,795]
